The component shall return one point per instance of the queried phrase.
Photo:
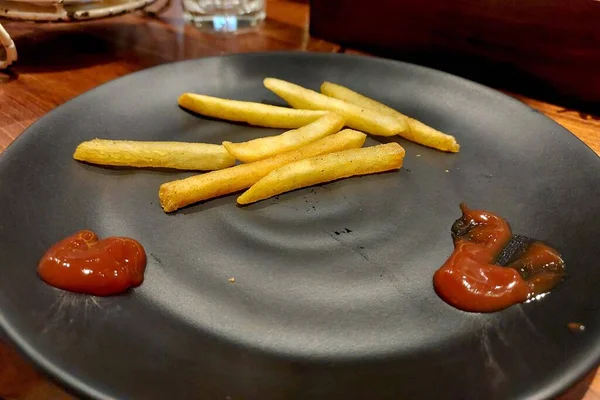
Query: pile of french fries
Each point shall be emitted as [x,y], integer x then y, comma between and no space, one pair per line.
[316,150]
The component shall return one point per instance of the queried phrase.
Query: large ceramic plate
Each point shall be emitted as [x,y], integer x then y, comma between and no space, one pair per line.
[333,295]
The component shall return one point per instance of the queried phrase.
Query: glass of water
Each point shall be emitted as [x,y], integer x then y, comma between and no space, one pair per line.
[224,15]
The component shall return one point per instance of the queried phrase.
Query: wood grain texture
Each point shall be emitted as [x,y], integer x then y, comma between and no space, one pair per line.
[59,62]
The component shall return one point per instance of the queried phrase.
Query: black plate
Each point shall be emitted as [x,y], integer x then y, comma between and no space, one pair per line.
[332,296]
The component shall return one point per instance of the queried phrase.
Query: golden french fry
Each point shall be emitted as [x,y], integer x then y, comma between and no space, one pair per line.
[176,194]
[264,147]
[177,155]
[325,168]
[418,132]
[246,111]
[356,117]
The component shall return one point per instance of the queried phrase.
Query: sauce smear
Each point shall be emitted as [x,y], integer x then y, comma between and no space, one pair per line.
[82,263]
[471,281]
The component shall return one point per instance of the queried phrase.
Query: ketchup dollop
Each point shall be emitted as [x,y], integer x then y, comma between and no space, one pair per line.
[82,263]
[471,280]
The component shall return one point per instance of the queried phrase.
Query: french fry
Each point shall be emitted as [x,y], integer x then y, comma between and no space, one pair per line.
[246,111]
[325,168]
[176,194]
[177,155]
[265,147]
[356,117]
[418,132]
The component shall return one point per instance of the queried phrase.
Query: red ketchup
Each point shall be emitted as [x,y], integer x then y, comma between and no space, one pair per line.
[469,280]
[82,263]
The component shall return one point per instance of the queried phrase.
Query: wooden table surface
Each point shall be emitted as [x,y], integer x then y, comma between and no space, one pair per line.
[60,61]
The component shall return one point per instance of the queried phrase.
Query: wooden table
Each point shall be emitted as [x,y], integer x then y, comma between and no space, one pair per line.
[60,61]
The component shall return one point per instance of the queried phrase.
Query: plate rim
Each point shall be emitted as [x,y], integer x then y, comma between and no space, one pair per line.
[71,384]
[302,53]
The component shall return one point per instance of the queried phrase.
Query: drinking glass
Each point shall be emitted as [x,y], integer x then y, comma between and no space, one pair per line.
[224,15]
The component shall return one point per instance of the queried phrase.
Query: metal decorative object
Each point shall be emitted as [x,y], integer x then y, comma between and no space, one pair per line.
[65,11]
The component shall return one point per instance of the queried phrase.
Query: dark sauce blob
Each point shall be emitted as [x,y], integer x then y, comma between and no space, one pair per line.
[82,263]
[490,269]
